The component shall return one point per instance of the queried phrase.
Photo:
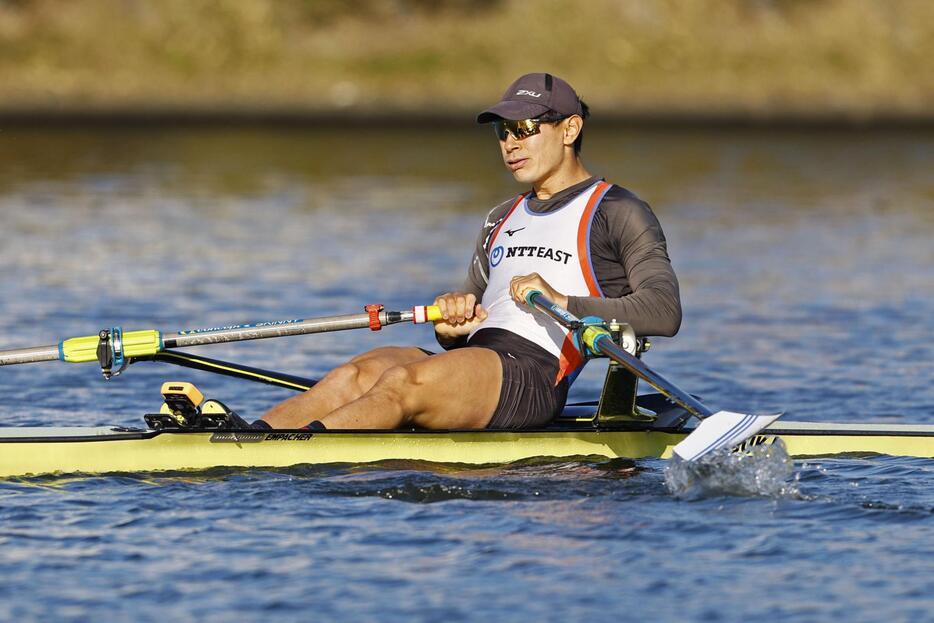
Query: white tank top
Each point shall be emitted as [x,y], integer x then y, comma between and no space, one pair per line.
[556,245]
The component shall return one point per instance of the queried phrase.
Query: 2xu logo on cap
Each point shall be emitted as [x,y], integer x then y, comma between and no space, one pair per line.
[527,92]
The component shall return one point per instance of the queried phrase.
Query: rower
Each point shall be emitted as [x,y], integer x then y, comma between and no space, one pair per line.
[592,247]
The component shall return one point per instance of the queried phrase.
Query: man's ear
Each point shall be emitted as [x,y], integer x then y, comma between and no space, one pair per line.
[572,128]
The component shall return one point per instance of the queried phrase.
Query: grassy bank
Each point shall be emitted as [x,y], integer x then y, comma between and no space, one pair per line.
[730,58]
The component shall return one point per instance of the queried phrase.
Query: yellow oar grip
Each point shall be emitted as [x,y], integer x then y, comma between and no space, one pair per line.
[135,344]
[425,313]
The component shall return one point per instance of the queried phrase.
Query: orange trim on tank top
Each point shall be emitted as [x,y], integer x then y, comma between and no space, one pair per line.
[583,252]
[505,218]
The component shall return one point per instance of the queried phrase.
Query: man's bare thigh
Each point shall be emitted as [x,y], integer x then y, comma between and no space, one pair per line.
[341,386]
[456,389]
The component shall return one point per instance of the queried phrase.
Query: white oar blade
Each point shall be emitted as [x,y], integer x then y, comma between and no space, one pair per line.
[723,429]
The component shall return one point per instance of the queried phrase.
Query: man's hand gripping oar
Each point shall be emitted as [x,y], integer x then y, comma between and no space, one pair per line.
[723,429]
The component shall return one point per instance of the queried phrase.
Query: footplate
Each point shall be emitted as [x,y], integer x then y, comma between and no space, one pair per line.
[183,409]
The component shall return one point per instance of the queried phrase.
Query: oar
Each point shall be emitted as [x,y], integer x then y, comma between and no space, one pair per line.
[723,429]
[113,348]
[227,368]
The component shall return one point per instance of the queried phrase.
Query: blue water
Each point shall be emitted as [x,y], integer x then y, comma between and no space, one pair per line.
[806,271]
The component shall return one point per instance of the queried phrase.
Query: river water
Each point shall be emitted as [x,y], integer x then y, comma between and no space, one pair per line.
[807,278]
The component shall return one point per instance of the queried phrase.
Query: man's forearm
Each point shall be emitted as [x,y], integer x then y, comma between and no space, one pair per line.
[649,311]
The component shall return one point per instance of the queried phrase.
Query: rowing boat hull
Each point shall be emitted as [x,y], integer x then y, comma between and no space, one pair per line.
[25,451]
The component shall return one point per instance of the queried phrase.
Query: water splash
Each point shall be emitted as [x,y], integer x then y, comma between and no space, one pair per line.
[758,470]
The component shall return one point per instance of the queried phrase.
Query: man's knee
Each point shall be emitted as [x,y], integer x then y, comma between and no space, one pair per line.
[402,377]
[346,376]
[401,384]
[360,373]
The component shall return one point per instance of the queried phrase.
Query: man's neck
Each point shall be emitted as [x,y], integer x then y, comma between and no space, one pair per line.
[565,177]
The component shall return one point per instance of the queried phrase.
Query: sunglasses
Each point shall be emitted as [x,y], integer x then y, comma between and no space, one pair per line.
[517,129]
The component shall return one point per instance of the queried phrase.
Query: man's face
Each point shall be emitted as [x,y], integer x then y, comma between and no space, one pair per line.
[535,157]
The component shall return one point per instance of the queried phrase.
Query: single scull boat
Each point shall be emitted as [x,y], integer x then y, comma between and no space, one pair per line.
[191,434]
[45,450]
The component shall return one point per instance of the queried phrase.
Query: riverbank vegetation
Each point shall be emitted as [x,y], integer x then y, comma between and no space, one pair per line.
[667,58]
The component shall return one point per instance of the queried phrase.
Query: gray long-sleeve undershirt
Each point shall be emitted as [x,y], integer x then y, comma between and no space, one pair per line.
[629,256]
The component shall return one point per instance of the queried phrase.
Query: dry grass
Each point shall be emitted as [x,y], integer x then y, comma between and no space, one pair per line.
[856,58]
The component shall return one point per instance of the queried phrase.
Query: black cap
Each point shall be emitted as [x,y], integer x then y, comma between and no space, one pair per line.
[532,96]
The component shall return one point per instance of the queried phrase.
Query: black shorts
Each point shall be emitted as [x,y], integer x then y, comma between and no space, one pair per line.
[528,397]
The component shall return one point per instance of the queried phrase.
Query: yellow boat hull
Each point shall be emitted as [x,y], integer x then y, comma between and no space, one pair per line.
[33,451]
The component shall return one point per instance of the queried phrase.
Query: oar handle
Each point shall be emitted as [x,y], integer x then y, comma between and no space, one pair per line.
[530,297]
[537,300]
[426,313]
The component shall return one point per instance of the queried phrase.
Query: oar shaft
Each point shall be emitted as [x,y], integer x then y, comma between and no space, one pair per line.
[611,349]
[281,328]
[227,368]
[284,328]
[29,355]
[149,342]
[603,343]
